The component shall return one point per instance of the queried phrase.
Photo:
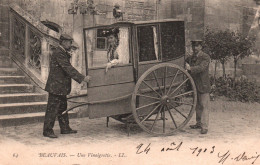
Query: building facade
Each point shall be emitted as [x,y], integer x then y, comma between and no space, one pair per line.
[238,15]
[234,14]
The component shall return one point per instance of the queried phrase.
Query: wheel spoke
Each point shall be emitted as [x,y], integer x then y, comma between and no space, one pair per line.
[164,119]
[156,118]
[160,89]
[186,93]
[183,103]
[165,76]
[148,96]
[157,82]
[179,86]
[150,114]
[171,116]
[173,81]
[147,105]
[152,88]
[178,111]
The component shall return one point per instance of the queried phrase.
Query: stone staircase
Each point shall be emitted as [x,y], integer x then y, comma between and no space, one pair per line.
[20,103]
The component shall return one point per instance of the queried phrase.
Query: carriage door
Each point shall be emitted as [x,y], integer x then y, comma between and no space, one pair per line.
[111,89]
[158,43]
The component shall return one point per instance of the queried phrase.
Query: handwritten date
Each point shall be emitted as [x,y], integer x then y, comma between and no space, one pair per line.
[222,157]
[201,150]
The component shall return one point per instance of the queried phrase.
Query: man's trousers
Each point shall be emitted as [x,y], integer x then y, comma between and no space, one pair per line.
[56,105]
[202,110]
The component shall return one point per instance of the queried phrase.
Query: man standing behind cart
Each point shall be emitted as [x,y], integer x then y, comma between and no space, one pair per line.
[198,66]
[59,86]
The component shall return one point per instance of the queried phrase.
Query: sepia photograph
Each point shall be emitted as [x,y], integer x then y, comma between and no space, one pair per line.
[129,82]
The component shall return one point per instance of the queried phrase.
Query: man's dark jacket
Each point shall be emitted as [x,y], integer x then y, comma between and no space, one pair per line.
[200,71]
[61,72]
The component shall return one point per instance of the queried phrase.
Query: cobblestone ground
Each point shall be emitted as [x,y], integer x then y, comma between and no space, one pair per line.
[233,138]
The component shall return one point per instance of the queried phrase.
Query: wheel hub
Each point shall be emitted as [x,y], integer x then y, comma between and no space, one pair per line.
[165,100]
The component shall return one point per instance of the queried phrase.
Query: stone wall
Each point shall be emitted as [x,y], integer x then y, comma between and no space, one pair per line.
[4,24]
[235,15]
[193,12]
[56,11]
[252,71]
[51,10]
[221,14]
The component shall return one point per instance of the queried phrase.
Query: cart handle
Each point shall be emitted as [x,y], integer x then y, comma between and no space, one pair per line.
[103,101]
[94,102]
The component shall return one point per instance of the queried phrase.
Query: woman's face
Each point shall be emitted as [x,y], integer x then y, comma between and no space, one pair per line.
[111,40]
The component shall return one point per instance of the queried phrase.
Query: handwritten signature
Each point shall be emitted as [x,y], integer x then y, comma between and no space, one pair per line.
[240,157]
[223,157]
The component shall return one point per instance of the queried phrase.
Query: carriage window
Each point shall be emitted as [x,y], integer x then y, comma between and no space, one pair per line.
[107,45]
[172,40]
[148,43]
[101,39]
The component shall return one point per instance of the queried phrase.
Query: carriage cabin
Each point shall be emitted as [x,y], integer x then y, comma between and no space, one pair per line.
[140,45]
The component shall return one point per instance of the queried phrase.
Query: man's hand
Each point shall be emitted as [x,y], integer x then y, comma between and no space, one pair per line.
[87,79]
[187,66]
[188,54]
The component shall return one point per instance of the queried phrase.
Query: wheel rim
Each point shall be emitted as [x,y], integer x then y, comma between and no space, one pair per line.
[161,103]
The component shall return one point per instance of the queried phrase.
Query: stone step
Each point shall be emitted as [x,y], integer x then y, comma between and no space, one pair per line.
[22,97]
[4,51]
[6,62]
[13,80]
[6,58]
[27,118]
[16,88]
[10,71]
[19,108]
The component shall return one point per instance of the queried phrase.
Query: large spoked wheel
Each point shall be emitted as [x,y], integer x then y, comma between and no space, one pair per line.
[164,99]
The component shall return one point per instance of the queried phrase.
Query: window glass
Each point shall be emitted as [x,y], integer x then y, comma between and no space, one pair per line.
[172,40]
[148,43]
[101,39]
[107,45]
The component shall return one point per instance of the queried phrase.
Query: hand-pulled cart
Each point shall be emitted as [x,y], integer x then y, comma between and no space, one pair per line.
[148,84]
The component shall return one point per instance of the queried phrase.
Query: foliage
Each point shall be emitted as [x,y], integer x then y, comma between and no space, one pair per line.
[240,89]
[218,44]
[221,45]
[241,47]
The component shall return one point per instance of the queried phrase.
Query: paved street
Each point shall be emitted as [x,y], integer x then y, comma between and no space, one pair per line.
[234,129]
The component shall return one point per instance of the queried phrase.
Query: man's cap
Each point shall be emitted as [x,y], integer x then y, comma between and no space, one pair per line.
[196,42]
[117,5]
[66,37]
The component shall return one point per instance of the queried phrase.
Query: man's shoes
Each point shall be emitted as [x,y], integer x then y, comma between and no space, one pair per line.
[204,131]
[196,126]
[70,131]
[50,135]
